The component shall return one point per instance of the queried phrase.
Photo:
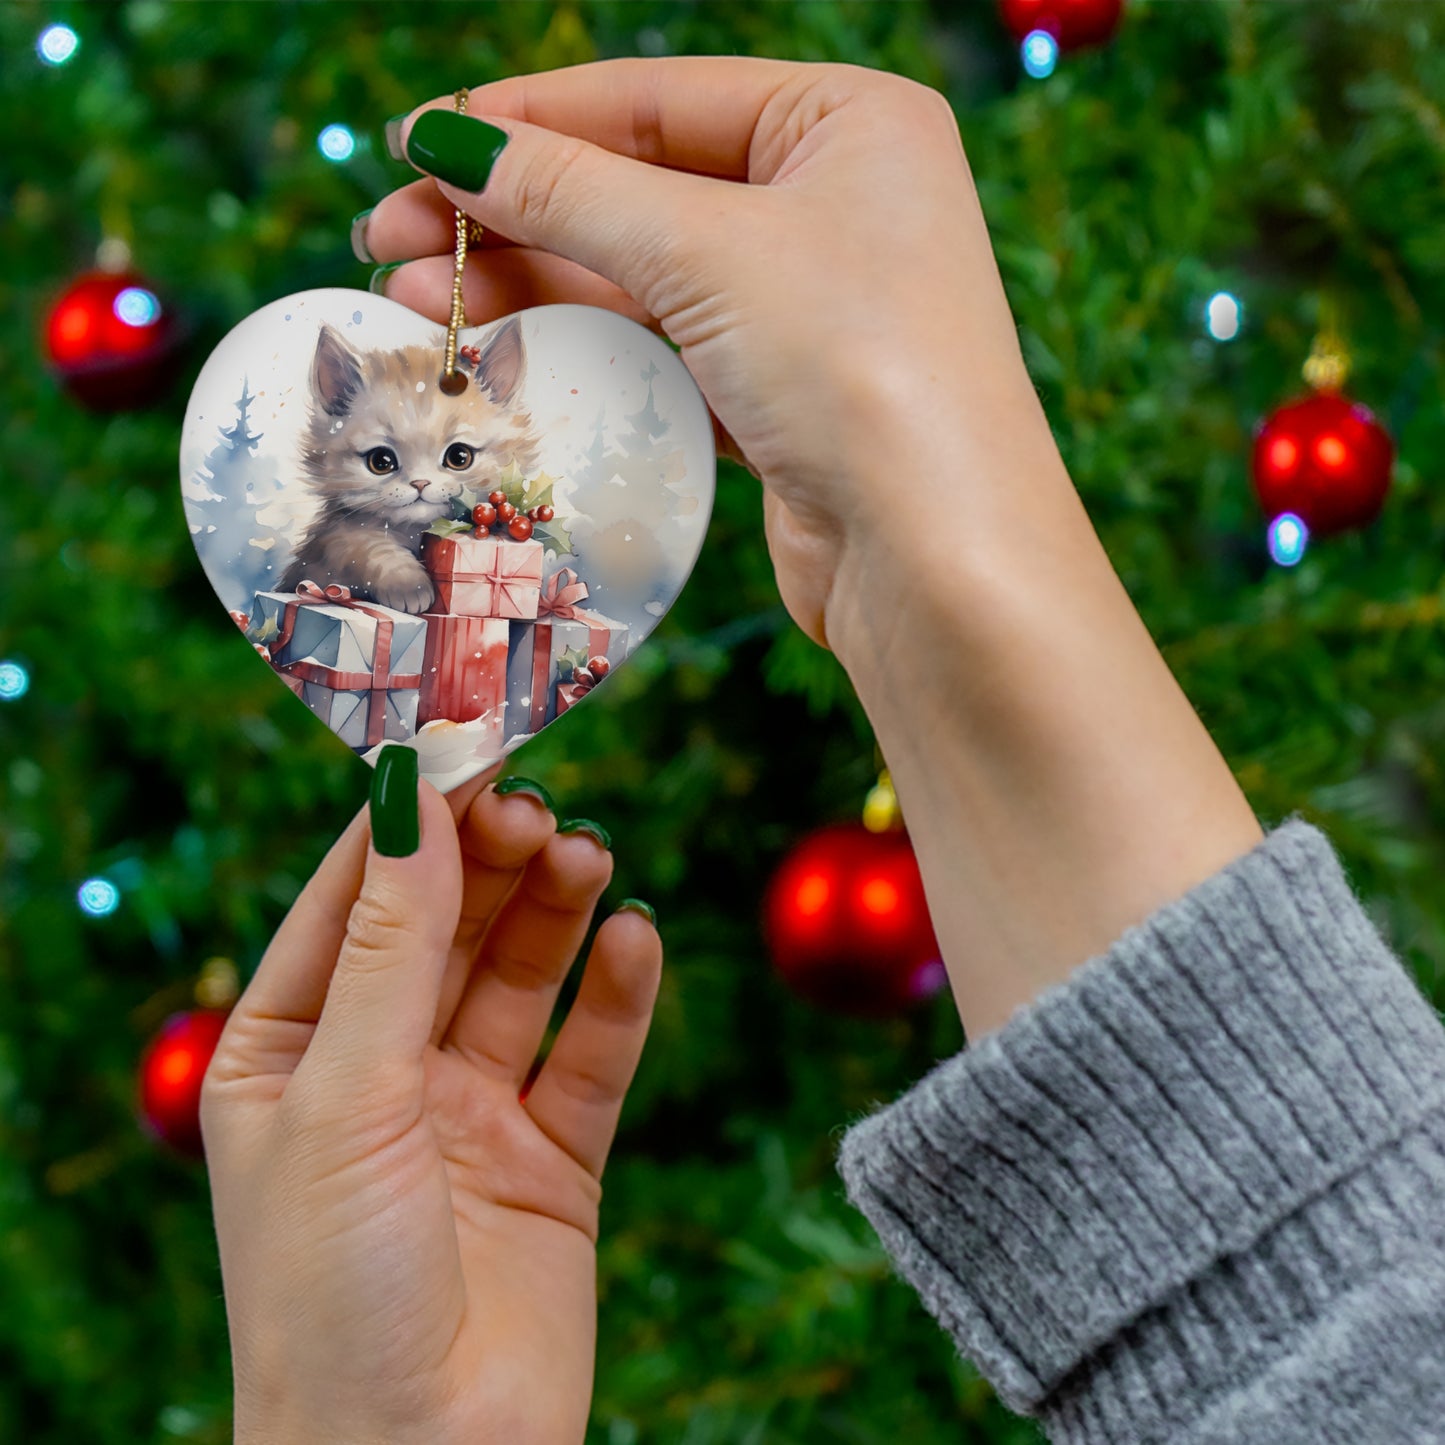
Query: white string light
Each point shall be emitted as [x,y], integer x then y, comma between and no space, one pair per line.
[336,143]
[57,44]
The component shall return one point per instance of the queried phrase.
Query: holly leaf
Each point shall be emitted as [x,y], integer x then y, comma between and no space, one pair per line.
[569,661]
[268,628]
[554,536]
[448,527]
[538,493]
[511,481]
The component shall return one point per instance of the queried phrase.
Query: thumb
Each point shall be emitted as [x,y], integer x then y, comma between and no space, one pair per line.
[382,1000]
[642,227]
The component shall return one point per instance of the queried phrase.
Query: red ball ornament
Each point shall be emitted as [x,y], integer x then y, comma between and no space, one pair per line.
[1073,23]
[484,514]
[520,528]
[111,341]
[1326,459]
[171,1071]
[847,924]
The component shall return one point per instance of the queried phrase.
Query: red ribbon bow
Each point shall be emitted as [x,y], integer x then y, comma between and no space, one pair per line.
[333,593]
[560,596]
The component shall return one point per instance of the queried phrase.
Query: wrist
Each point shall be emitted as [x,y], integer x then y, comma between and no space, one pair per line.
[1057,784]
[987,509]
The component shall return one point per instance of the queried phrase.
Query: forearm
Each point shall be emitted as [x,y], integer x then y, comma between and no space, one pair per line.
[1057,784]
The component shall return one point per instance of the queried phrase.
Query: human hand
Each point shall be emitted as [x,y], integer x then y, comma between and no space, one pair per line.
[838,307]
[810,237]
[408,1248]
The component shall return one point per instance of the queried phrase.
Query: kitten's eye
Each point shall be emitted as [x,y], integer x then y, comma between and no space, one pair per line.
[458,457]
[380,460]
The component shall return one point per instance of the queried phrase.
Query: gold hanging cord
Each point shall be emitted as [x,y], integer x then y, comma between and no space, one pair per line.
[454,382]
[1328,366]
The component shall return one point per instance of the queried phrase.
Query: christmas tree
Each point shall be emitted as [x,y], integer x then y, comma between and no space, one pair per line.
[231,506]
[1285,157]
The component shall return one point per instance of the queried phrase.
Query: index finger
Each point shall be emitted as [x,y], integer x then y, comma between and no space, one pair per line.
[695,113]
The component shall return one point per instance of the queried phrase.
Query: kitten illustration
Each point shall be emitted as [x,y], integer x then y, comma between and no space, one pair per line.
[388,452]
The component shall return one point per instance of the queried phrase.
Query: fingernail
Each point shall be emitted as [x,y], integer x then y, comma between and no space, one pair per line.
[508,786]
[585,825]
[359,248]
[393,137]
[395,812]
[636,905]
[377,284]
[455,148]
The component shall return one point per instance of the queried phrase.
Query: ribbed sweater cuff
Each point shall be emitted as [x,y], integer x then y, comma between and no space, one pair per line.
[1139,1168]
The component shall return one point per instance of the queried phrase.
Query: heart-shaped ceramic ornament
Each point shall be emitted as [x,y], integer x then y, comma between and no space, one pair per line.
[448,571]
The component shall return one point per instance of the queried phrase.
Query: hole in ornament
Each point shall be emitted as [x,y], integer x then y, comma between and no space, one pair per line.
[453,383]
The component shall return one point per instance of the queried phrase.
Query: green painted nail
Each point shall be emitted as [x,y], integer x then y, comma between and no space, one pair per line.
[636,905]
[525,785]
[395,812]
[377,284]
[359,248]
[455,148]
[586,825]
[393,136]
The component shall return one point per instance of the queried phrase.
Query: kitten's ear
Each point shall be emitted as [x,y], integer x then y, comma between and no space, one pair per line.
[502,364]
[335,373]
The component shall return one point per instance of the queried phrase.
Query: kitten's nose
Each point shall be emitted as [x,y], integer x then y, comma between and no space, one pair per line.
[422,485]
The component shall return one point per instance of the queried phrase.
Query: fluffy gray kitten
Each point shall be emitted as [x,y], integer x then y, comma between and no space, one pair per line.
[388,452]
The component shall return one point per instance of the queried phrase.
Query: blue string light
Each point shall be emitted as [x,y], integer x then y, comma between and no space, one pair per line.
[336,143]
[57,44]
[14,681]
[1288,538]
[98,897]
[137,307]
[1040,53]
[1223,316]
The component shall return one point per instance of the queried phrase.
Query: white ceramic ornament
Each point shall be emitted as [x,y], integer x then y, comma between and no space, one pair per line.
[332,489]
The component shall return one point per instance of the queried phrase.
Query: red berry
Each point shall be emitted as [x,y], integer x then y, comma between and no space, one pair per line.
[520,528]
[583,678]
[496,498]
[484,514]
[506,511]
[545,513]
[599,667]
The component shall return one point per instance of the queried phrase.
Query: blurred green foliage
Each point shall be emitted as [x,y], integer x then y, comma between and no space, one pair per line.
[1285,153]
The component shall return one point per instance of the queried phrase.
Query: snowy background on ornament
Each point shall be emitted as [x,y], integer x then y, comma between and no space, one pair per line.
[628,458]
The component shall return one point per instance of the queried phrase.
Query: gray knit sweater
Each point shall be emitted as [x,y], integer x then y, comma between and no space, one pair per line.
[1197,1191]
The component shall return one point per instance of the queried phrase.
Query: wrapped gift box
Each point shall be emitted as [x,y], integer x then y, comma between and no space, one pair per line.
[562,625]
[484,576]
[569,694]
[357,666]
[464,671]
